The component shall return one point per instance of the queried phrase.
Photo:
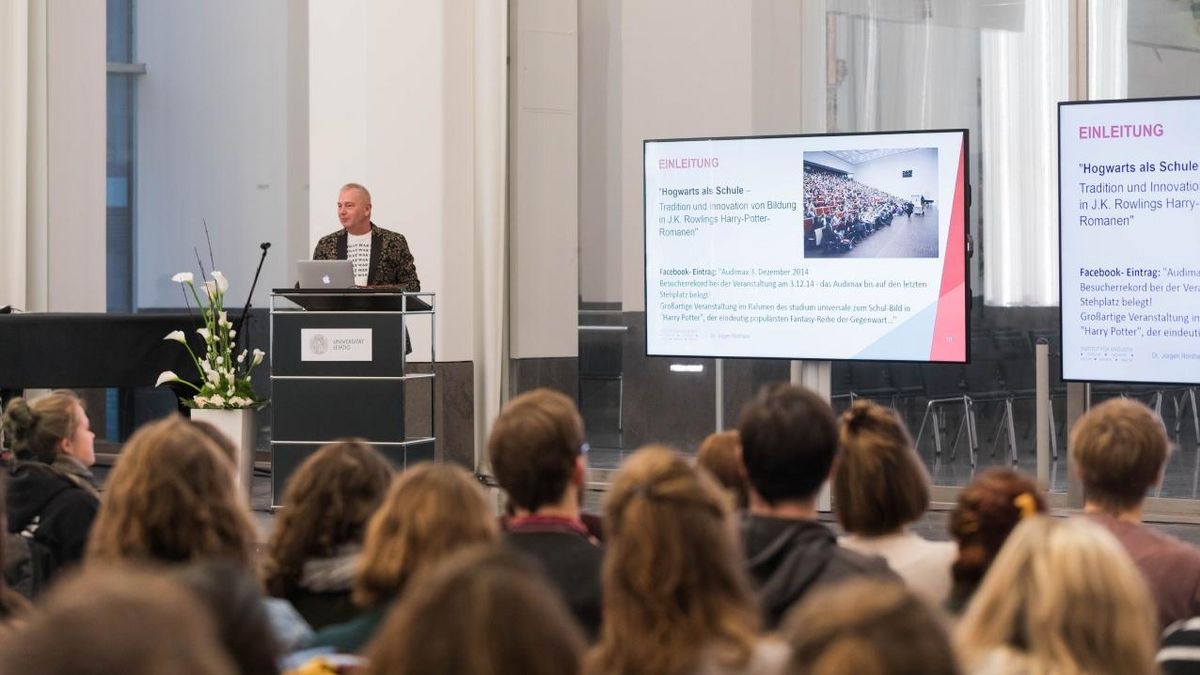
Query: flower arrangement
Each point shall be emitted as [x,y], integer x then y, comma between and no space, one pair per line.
[224,379]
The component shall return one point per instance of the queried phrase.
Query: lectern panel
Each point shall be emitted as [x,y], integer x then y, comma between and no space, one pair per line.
[314,410]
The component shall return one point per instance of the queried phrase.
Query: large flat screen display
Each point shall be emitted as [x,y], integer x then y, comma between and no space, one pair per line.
[825,247]
[1129,223]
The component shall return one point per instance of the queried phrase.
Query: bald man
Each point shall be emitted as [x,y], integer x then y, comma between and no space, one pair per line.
[381,257]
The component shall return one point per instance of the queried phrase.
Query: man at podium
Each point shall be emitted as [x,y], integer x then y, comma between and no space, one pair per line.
[380,257]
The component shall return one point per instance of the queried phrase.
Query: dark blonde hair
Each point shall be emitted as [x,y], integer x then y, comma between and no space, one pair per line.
[718,455]
[988,509]
[430,512]
[867,627]
[1118,448]
[534,445]
[36,430]
[170,499]
[326,504]
[879,484]
[117,620]
[673,579]
[1063,597]
[450,622]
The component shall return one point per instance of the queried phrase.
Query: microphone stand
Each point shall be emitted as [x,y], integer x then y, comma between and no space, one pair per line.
[246,310]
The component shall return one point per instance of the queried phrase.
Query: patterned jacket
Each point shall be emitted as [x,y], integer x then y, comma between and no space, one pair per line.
[391,261]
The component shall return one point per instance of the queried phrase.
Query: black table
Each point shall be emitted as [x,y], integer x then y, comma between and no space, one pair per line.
[92,350]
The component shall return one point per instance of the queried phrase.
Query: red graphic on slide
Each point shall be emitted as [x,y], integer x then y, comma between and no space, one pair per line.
[950,326]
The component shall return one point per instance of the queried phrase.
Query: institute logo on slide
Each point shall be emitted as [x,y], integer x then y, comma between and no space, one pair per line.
[318,344]
[326,280]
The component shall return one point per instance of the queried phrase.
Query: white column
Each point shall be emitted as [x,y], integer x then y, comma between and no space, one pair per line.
[14,125]
[491,296]
[76,152]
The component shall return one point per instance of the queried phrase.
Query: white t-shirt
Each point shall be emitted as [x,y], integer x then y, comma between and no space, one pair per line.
[358,252]
[924,565]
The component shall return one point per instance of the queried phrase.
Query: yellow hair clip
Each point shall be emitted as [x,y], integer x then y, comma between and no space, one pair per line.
[1026,504]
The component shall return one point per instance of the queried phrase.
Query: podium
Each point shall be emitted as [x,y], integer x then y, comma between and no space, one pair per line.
[339,368]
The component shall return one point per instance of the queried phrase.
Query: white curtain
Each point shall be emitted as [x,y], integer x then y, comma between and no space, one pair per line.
[1023,77]
[491,288]
[14,128]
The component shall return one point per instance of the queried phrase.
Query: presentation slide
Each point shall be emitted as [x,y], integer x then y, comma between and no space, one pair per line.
[1129,220]
[825,247]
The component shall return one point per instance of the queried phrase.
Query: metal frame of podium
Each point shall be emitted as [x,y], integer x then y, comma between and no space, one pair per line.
[316,399]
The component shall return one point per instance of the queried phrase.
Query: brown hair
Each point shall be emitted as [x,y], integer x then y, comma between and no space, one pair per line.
[35,431]
[430,511]
[673,579]
[867,627]
[326,504]
[987,511]
[533,447]
[789,440]
[879,484]
[170,500]
[448,622]
[1118,448]
[117,620]
[718,455]
[1063,597]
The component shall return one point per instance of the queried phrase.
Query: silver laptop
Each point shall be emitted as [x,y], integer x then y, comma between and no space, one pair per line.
[325,273]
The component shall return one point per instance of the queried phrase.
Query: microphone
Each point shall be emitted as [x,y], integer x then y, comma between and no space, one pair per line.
[246,310]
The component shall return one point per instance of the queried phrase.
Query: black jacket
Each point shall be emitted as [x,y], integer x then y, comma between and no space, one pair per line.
[787,558]
[59,513]
[571,560]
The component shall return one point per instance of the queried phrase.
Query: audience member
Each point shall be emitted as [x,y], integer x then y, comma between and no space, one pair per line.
[317,542]
[1179,652]
[117,620]
[987,511]
[1118,450]
[484,612]
[52,499]
[880,487]
[718,455]
[676,599]
[867,627]
[1062,597]
[789,440]
[170,500]
[12,604]
[234,600]
[430,512]
[536,449]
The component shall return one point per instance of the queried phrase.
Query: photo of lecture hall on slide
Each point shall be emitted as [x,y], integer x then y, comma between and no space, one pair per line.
[852,198]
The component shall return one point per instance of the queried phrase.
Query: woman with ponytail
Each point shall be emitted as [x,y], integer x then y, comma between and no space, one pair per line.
[880,487]
[51,497]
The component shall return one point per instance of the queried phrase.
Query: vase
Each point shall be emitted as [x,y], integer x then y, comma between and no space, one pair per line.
[238,426]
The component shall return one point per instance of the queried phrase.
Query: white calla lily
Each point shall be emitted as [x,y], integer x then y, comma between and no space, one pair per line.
[177,336]
[166,376]
[258,357]
[183,278]
[204,333]
[222,282]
